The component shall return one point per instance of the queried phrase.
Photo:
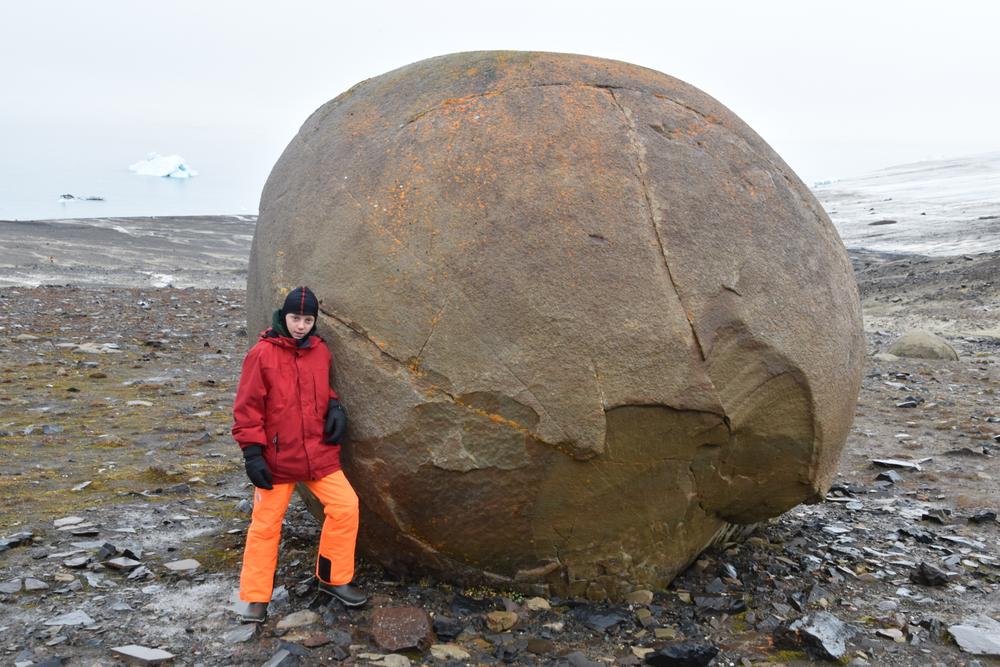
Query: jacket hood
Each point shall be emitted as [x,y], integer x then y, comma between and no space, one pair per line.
[278,334]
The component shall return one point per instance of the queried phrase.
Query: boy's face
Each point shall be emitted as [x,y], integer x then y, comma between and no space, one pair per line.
[299,325]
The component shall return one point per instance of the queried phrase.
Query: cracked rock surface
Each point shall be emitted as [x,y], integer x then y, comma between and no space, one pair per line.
[579,300]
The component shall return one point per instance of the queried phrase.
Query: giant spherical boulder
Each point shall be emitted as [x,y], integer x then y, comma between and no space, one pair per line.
[583,318]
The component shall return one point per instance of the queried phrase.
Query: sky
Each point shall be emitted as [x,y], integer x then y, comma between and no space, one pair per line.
[837,89]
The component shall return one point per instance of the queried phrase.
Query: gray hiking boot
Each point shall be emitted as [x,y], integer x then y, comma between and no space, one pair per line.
[349,594]
[256,612]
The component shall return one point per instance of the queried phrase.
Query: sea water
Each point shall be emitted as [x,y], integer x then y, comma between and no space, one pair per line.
[41,163]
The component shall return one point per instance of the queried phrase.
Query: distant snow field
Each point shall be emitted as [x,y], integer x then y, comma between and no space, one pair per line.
[938,207]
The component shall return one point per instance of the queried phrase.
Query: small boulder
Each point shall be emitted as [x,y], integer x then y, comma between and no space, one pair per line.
[978,636]
[501,621]
[923,345]
[400,628]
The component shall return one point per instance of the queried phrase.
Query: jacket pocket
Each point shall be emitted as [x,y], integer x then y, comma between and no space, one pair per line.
[271,449]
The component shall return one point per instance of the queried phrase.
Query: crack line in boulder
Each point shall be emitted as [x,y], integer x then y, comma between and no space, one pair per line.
[359,331]
[429,389]
[651,211]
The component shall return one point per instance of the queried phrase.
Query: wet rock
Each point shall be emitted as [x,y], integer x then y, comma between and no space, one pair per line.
[143,655]
[822,634]
[32,585]
[938,516]
[400,628]
[294,649]
[578,659]
[540,646]
[923,345]
[482,383]
[896,463]
[918,534]
[929,575]
[683,654]
[890,476]
[72,618]
[463,605]
[449,652]
[123,563]
[718,604]
[240,634]
[106,551]
[10,587]
[978,636]
[15,540]
[600,620]
[282,658]
[983,516]
[447,627]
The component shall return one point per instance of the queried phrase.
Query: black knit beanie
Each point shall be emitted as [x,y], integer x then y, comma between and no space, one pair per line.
[300,301]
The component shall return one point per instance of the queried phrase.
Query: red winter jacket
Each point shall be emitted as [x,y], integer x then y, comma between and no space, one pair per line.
[281,404]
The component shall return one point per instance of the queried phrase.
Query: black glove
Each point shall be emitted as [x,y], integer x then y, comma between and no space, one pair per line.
[336,422]
[256,466]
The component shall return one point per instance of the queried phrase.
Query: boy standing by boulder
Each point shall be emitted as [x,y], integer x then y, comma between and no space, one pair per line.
[288,422]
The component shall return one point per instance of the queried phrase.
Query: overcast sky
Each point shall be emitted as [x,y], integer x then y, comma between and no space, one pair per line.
[837,88]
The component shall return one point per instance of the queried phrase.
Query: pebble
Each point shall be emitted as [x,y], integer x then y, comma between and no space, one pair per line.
[450,652]
[143,655]
[68,521]
[385,660]
[537,604]
[501,621]
[31,585]
[298,619]
[640,597]
[283,658]
[72,618]
[240,634]
[10,587]
[186,565]
[123,563]
[892,633]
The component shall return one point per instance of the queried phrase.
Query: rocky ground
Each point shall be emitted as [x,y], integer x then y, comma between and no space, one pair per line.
[118,471]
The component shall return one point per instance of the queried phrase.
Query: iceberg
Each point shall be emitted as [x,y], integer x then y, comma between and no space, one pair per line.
[169,166]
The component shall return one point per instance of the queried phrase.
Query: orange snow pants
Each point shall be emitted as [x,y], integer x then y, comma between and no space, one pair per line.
[335,561]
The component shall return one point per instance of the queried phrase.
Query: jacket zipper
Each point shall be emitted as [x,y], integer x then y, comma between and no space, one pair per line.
[276,447]
[302,425]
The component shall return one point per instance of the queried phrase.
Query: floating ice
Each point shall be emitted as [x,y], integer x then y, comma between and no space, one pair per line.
[170,166]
